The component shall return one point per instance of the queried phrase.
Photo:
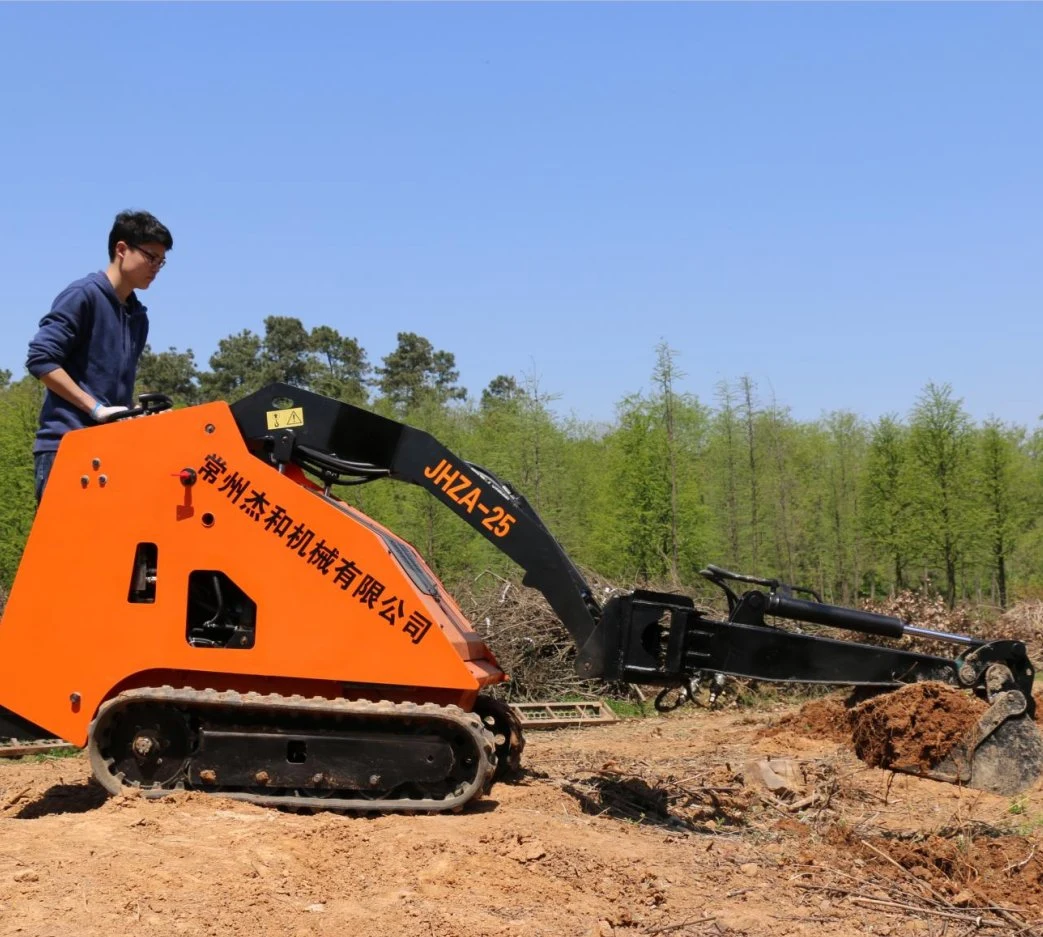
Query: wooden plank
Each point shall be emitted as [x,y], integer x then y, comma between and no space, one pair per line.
[18,749]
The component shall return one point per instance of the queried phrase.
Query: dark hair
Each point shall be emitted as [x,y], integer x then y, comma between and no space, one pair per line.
[138,227]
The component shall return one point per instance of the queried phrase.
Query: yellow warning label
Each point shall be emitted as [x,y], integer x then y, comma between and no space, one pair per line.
[285,419]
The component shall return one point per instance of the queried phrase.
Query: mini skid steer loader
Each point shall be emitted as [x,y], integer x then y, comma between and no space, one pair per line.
[198,610]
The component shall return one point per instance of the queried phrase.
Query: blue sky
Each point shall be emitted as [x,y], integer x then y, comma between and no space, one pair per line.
[842,201]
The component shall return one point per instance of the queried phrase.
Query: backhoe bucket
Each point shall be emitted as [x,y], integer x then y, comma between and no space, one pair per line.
[939,731]
[1003,753]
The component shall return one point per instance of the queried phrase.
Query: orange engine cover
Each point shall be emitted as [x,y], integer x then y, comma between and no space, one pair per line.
[343,607]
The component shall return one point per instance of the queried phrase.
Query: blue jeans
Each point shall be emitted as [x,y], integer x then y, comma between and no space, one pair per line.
[42,463]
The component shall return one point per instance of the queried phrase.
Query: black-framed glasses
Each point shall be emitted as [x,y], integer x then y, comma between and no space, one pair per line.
[153,259]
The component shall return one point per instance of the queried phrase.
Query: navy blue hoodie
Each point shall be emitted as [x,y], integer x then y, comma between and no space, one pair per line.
[98,340]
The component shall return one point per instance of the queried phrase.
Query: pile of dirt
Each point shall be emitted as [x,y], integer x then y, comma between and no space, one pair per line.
[911,729]
[965,869]
[828,718]
[915,727]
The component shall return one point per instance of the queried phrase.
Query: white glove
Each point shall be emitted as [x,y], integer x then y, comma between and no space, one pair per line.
[103,414]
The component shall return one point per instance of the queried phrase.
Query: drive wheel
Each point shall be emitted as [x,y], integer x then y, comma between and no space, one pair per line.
[148,746]
[505,726]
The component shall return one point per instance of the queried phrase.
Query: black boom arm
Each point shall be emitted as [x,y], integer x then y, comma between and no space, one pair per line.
[344,444]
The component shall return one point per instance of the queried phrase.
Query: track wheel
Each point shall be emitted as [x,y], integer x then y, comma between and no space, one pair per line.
[503,723]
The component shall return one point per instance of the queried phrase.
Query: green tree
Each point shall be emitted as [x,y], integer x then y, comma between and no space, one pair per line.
[1004,495]
[941,446]
[340,368]
[235,368]
[19,414]
[526,444]
[885,515]
[322,360]
[800,462]
[748,409]
[170,372]
[641,505]
[640,512]
[501,390]
[777,433]
[285,352]
[538,440]
[846,441]
[664,376]
[415,370]
[1028,549]
[725,460]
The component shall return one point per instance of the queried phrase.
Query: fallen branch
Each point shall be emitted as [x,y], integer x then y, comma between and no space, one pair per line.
[672,927]
[1020,865]
[948,915]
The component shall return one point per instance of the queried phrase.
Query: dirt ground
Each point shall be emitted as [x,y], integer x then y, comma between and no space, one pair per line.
[655,826]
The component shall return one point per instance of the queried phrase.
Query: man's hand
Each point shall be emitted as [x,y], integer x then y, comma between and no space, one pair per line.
[104,414]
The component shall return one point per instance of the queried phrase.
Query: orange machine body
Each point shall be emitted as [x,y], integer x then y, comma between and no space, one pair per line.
[338,613]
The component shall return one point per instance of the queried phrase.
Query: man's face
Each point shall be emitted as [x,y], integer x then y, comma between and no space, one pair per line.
[139,263]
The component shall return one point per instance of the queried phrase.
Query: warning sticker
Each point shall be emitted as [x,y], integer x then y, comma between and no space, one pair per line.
[285,419]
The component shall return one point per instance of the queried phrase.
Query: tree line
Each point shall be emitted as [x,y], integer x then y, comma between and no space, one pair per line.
[853,508]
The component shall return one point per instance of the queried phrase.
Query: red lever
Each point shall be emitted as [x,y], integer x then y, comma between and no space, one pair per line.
[187,476]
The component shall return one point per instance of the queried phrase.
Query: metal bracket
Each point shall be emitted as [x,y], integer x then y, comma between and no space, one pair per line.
[558,715]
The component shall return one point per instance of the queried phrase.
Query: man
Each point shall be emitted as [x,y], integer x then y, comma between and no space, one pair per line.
[87,349]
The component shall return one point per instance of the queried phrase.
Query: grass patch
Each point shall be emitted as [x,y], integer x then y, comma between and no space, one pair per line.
[628,709]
